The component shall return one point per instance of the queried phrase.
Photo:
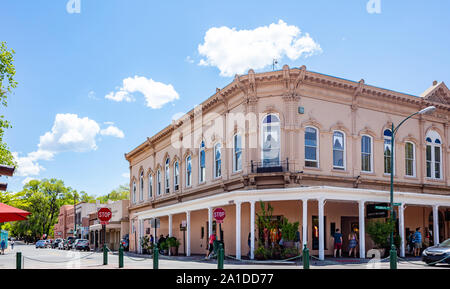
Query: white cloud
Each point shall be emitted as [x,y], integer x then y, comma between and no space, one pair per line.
[112,131]
[235,51]
[126,175]
[69,133]
[188,59]
[156,94]
[92,95]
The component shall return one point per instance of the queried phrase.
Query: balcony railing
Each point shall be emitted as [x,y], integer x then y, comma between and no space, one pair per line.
[269,167]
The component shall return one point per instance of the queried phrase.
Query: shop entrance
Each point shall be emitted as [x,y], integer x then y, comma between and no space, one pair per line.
[348,225]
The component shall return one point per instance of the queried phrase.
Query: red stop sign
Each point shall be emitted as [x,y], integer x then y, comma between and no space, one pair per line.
[104,214]
[219,214]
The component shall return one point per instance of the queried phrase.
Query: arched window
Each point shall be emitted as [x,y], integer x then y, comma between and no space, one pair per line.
[271,141]
[158,183]
[366,153]
[167,176]
[176,176]
[237,153]
[434,161]
[134,192]
[217,160]
[311,145]
[150,186]
[202,163]
[410,159]
[338,150]
[387,151]
[141,186]
[188,171]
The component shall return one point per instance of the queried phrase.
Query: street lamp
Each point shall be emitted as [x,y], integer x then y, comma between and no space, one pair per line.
[393,252]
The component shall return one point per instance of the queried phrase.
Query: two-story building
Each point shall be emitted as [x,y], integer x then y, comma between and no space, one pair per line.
[314,146]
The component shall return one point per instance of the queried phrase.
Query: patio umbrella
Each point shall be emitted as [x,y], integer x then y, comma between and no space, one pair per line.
[9,214]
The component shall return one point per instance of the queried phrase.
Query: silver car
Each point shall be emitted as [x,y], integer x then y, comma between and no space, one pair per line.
[437,254]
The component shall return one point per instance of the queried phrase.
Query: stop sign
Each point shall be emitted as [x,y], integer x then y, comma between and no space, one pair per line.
[219,214]
[104,215]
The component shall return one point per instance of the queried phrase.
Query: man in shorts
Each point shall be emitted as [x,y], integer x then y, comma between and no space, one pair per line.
[337,243]
[417,242]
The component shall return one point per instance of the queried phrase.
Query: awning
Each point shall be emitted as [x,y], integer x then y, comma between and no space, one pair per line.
[9,214]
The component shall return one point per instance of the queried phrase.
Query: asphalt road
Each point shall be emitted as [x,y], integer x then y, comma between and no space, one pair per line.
[59,259]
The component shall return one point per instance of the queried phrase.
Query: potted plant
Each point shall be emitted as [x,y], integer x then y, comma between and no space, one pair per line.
[276,252]
[173,245]
[264,222]
[288,231]
[379,232]
[262,253]
[289,253]
[145,243]
[164,247]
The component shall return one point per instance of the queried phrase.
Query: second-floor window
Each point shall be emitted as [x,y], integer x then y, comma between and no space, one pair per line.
[338,150]
[410,161]
[176,176]
[366,153]
[433,154]
[158,183]
[311,153]
[134,192]
[141,187]
[387,151]
[217,161]
[237,153]
[188,171]
[271,141]
[167,176]
[150,186]
[202,163]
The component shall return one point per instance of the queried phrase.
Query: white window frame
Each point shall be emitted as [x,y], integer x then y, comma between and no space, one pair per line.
[201,176]
[413,159]
[371,153]
[434,135]
[216,176]
[141,187]
[176,176]
[150,186]
[158,183]
[134,192]
[237,167]
[167,176]
[263,125]
[188,174]
[317,148]
[392,152]
[344,151]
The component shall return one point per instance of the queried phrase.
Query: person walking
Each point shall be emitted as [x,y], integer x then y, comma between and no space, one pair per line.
[12,244]
[337,243]
[297,240]
[3,246]
[352,243]
[212,238]
[417,242]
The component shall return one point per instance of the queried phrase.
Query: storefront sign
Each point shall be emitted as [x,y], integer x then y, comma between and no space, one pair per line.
[372,212]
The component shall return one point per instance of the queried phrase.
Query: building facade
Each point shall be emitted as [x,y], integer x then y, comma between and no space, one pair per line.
[65,226]
[314,146]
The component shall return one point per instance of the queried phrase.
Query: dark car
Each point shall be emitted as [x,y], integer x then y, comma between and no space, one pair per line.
[82,245]
[437,254]
[56,242]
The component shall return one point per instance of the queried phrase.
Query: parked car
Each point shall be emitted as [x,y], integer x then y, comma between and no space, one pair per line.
[41,244]
[439,253]
[82,245]
[56,242]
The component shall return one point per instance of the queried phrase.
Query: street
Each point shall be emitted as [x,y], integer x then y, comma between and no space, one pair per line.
[59,259]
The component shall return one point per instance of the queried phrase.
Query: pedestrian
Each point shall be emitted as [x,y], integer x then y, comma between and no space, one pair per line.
[12,244]
[212,238]
[417,242]
[410,243]
[352,243]
[297,240]
[3,246]
[337,243]
[152,240]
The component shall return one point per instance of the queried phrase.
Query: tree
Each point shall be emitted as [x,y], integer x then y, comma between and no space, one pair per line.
[7,84]
[120,193]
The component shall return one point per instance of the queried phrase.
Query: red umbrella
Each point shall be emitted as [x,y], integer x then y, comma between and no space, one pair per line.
[9,214]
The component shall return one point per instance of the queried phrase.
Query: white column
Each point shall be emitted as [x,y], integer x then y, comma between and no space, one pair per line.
[305,222]
[436,224]
[210,222]
[321,231]
[170,225]
[401,228]
[238,230]
[188,234]
[140,234]
[362,231]
[252,230]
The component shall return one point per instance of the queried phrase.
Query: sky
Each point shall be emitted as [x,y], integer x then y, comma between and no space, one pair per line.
[96,77]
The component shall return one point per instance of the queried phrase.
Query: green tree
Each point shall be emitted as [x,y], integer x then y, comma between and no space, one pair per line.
[7,84]
[120,193]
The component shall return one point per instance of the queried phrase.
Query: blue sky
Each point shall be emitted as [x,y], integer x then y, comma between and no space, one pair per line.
[68,62]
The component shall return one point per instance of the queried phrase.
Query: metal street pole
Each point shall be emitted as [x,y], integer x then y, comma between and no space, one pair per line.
[393,251]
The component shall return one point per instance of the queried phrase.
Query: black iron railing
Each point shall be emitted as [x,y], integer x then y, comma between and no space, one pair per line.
[269,166]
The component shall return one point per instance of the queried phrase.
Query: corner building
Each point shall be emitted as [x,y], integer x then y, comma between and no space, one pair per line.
[314,146]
